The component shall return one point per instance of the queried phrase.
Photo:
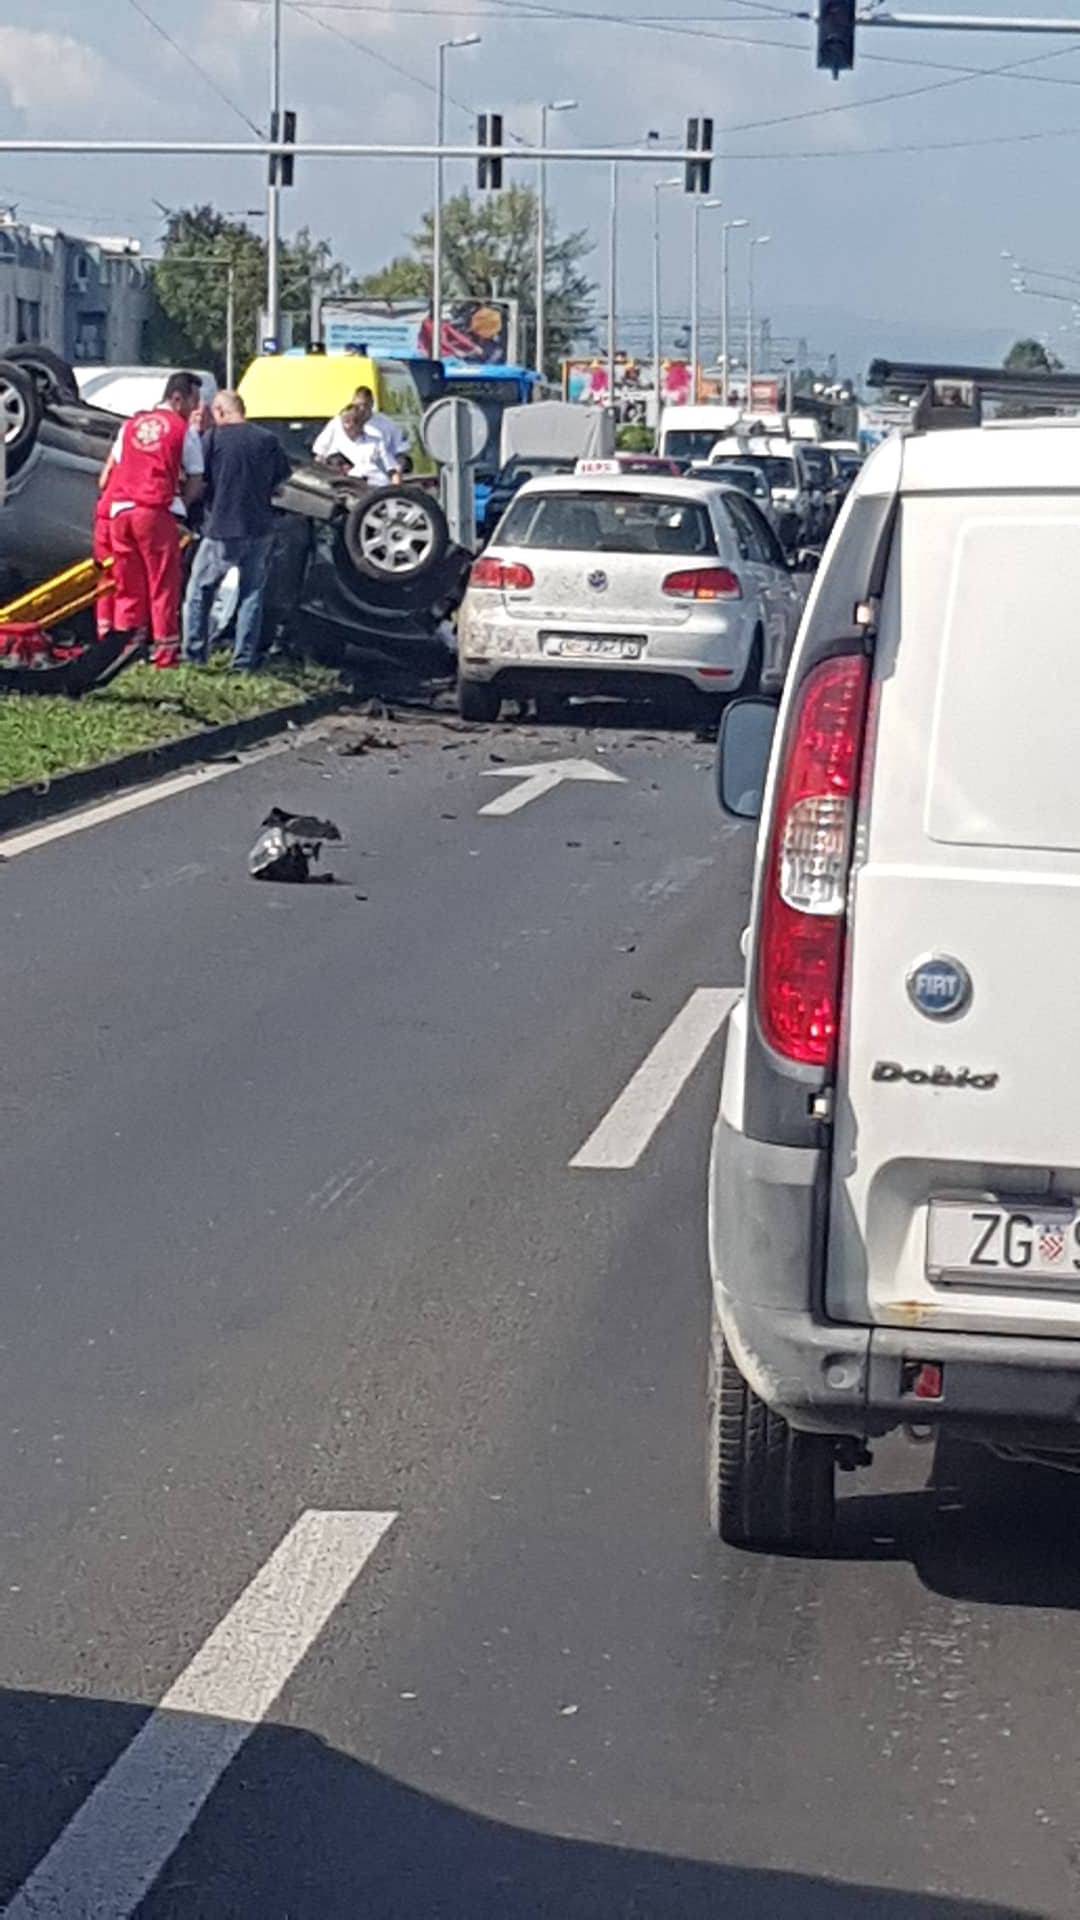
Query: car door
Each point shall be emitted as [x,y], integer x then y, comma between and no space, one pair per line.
[755,543]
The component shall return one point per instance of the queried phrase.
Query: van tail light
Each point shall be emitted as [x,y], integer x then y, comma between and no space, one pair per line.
[703,583]
[507,576]
[801,948]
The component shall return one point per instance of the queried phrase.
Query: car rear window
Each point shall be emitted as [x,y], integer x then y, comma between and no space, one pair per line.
[1002,753]
[597,522]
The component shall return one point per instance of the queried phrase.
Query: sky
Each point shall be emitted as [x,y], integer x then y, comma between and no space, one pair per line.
[888,195]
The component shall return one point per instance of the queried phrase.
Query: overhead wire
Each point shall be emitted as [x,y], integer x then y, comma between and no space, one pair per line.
[208,77]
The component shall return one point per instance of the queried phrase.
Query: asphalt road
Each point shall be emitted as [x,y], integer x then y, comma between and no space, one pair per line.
[291,1235]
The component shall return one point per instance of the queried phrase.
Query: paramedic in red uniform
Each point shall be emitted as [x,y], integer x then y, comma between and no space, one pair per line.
[152,475]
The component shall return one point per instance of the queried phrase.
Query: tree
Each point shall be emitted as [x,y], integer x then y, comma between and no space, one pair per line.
[1031,356]
[1028,356]
[187,323]
[489,251]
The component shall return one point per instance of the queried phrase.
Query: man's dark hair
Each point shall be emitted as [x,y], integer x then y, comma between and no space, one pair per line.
[364,390]
[183,386]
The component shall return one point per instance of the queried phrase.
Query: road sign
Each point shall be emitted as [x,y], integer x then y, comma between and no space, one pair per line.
[454,430]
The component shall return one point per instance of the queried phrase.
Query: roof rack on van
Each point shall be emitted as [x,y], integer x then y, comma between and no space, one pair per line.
[953,396]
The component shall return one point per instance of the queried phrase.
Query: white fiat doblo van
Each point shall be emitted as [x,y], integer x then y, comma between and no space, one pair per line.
[895,1180]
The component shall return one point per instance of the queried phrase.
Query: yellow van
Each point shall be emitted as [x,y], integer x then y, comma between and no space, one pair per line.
[295,394]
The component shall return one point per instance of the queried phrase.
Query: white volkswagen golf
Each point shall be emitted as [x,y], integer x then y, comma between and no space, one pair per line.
[605,584]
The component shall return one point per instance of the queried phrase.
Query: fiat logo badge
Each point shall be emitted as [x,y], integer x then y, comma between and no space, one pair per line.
[939,987]
[598,579]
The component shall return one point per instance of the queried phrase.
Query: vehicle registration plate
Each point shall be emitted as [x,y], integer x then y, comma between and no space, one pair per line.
[594,646]
[986,1241]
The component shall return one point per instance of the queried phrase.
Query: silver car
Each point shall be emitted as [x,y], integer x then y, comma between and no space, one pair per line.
[626,585]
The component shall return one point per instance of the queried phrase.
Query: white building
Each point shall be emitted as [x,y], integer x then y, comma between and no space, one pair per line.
[87,299]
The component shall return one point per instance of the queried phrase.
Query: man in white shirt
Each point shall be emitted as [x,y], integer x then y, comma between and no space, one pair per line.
[353,437]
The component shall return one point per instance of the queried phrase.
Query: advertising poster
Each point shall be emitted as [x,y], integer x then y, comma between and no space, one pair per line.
[481,332]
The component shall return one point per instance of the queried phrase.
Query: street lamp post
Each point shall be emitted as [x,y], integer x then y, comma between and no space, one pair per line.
[695,288]
[273,200]
[729,226]
[759,240]
[461,40]
[549,106]
[613,250]
[659,187]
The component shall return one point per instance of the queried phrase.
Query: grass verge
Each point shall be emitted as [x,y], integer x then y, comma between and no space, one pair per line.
[42,737]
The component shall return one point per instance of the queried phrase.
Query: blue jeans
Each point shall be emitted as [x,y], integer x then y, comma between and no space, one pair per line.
[251,558]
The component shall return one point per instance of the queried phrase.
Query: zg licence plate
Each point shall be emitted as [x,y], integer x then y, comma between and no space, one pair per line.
[982,1242]
[594,646]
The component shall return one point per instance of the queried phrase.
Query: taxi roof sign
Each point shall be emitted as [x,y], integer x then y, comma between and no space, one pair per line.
[596,465]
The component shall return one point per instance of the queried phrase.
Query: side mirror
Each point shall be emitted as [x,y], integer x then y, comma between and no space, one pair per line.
[807,560]
[742,756]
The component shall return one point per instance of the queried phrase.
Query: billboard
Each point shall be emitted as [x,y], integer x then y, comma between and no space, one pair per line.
[586,381]
[482,332]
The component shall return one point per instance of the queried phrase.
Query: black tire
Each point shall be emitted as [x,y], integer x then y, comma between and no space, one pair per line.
[396,533]
[770,1488]
[551,708]
[478,700]
[50,374]
[20,413]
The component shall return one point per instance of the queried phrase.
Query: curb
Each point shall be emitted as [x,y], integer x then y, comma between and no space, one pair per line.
[24,806]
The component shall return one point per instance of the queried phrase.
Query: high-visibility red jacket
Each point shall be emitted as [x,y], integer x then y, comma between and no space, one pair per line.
[149,469]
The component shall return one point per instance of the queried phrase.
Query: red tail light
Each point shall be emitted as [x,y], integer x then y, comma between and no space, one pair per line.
[802,930]
[703,583]
[506,575]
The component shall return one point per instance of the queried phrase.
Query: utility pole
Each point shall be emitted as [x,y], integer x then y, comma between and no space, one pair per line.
[230,325]
[659,186]
[273,202]
[461,40]
[729,226]
[759,240]
[613,251]
[549,106]
[695,291]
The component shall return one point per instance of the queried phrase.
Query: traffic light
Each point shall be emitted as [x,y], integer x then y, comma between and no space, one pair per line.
[698,140]
[281,165]
[836,36]
[489,133]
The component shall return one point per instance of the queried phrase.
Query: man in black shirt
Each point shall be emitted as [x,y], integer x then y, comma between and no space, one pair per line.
[245,464]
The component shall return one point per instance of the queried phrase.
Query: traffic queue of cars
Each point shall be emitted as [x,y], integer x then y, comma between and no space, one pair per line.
[645,576]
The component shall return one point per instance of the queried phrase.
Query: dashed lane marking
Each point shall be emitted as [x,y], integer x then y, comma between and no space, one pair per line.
[111,1852]
[645,1102]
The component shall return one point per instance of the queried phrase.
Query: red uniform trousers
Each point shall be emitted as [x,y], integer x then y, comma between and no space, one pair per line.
[105,608]
[146,556]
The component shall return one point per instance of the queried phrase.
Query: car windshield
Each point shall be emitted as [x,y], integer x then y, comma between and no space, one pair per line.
[689,443]
[749,479]
[607,523]
[778,471]
[517,471]
[296,436]
[818,465]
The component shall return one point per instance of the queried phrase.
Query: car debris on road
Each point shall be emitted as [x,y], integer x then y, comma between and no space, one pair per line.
[289,845]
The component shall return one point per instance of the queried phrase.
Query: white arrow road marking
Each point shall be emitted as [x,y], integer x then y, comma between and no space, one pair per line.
[541,779]
[112,1850]
[646,1100]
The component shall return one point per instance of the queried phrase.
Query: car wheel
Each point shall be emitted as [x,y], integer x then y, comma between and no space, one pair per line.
[770,1487]
[551,708]
[50,374]
[20,413]
[478,700]
[397,533]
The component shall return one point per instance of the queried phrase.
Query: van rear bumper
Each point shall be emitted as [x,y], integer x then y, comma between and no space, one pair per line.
[766,1235]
